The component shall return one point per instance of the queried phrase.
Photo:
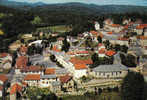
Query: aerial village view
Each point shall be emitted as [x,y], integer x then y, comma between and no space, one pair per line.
[73,50]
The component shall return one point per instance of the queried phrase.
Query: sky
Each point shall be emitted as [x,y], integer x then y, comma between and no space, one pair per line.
[98,2]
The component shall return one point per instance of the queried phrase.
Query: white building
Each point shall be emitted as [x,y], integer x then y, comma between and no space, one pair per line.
[110,71]
[46,80]
[80,70]
[97,26]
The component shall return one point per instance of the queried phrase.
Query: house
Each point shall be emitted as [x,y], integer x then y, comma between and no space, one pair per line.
[21,62]
[5,56]
[67,83]
[3,79]
[55,87]
[32,79]
[126,21]
[97,25]
[1,91]
[6,64]
[101,52]
[108,21]
[14,89]
[110,53]
[32,70]
[46,80]
[140,29]
[23,50]
[110,71]
[61,72]
[80,70]
[114,27]
[49,71]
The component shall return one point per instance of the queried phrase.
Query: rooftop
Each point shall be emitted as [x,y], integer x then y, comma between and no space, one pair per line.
[80,66]
[32,77]
[110,68]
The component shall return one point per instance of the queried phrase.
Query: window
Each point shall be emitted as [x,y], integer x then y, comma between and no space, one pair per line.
[120,72]
[112,73]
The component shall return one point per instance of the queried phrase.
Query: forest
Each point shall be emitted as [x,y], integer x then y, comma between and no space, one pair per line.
[14,21]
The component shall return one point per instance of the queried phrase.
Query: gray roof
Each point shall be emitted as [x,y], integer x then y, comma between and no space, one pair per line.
[110,68]
[56,83]
[47,76]
[61,71]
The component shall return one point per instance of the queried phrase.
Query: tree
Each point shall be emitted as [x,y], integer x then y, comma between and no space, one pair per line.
[124,48]
[65,46]
[37,20]
[132,87]
[53,58]
[95,57]
[99,38]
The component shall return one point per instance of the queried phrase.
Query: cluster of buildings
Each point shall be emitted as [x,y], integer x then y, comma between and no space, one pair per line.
[38,69]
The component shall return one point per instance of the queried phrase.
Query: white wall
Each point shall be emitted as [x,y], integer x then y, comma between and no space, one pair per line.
[80,73]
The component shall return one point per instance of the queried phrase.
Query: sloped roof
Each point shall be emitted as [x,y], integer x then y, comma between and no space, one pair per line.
[1,88]
[65,79]
[102,51]
[80,61]
[110,53]
[31,69]
[2,55]
[3,77]
[21,61]
[110,68]
[48,76]
[32,77]
[15,88]
[80,66]
[50,71]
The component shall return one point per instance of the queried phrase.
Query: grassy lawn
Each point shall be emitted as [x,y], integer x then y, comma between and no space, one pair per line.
[92,96]
[59,28]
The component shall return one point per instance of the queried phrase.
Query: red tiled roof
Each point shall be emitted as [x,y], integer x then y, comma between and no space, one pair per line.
[82,52]
[3,77]
[23,49]
[15,88]
[115,25]
[102,51]
[65,79]
[21,62]
[142,37]
[1,88]
[81,61]
[50,71]
[2,55]
[141,26]
[31,69]
[100,44]
[55,49]
[94,32]
[80,66]
[110,53]
[32,77]
[110,33]
[24,83]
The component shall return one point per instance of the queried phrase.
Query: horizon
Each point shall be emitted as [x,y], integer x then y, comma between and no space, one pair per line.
[97,2]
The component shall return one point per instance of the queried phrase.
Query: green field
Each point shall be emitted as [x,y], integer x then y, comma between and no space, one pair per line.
[59,28]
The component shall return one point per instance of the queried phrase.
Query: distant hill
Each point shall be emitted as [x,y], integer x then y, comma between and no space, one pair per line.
[75,7]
